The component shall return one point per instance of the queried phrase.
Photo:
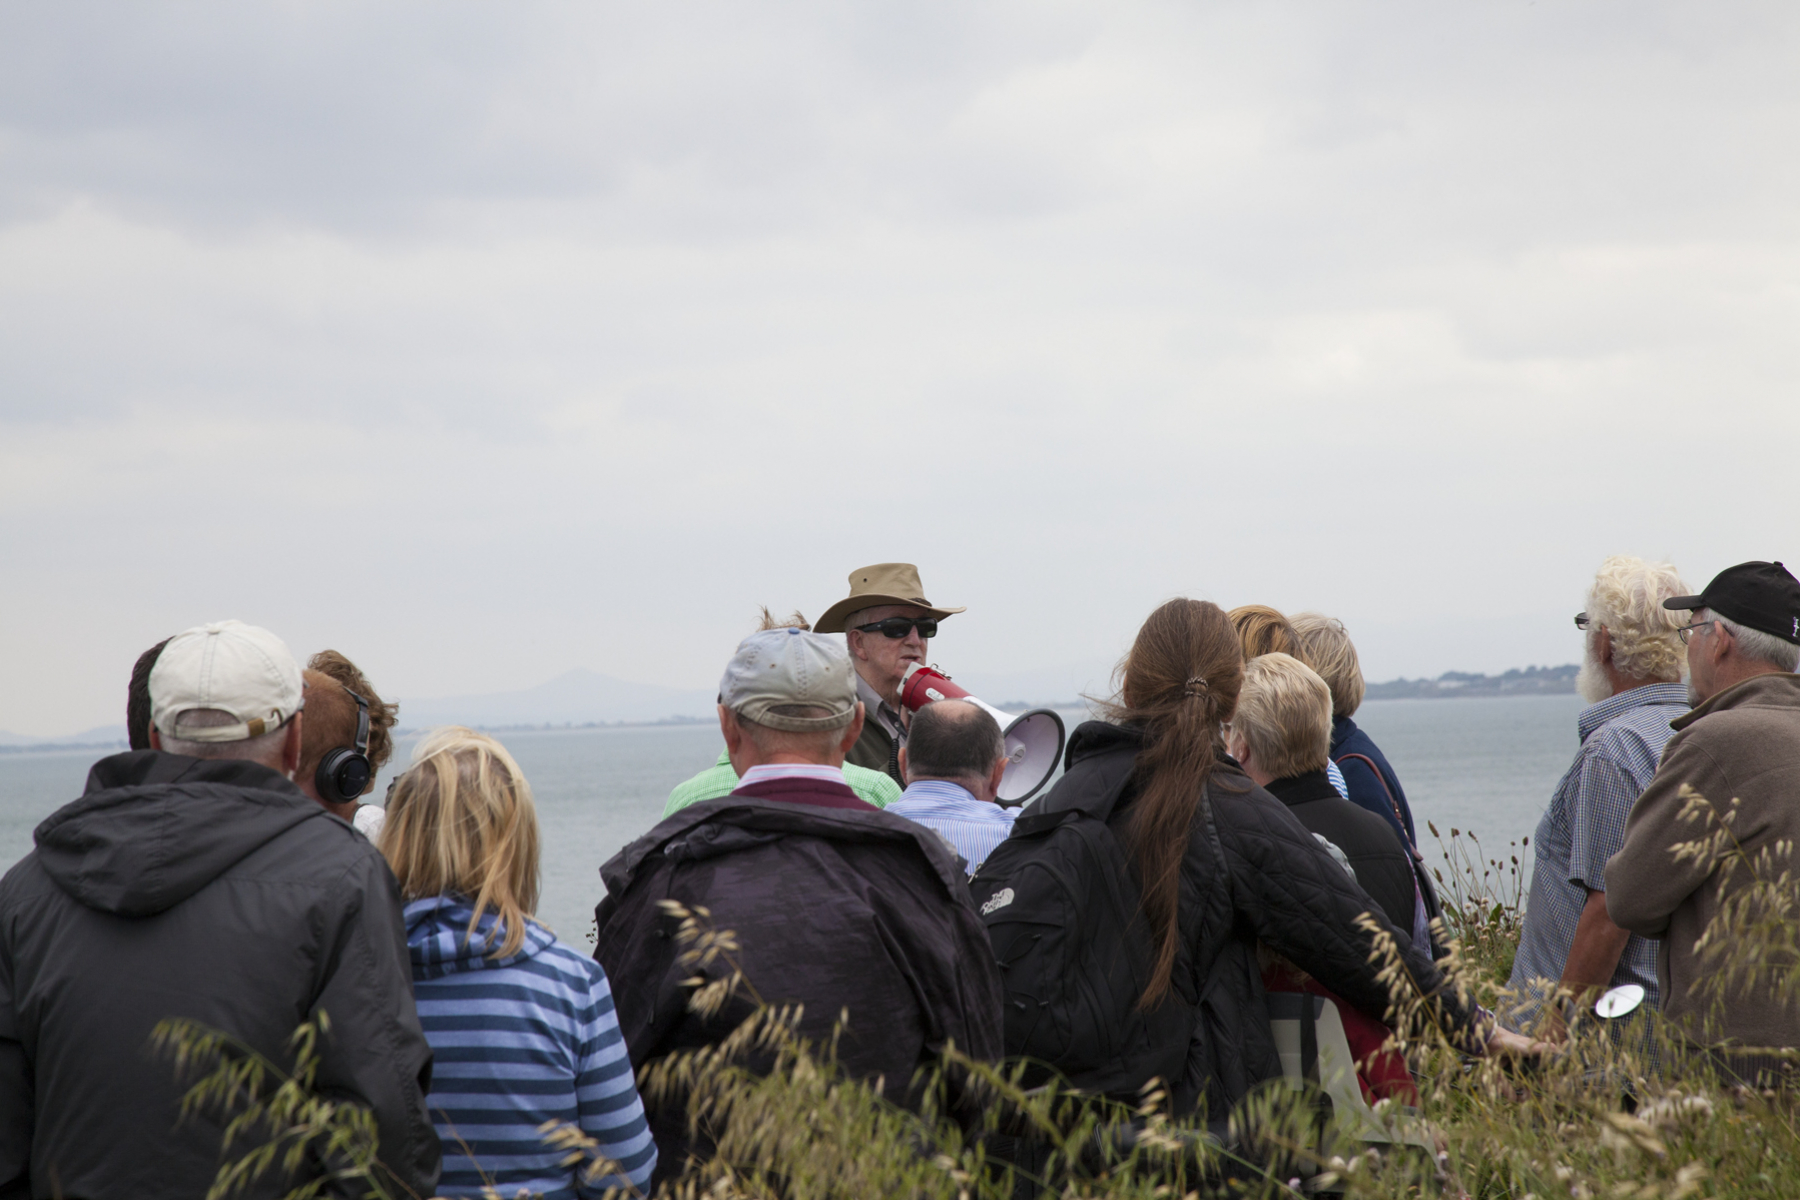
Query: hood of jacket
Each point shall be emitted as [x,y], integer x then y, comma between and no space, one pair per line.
[152,829]
[439,941]
[734,823]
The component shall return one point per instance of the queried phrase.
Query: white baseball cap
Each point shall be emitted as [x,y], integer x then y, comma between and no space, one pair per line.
[241,669]
[782,668]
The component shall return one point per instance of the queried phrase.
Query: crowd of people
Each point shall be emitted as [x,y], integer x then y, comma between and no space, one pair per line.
[1222,833]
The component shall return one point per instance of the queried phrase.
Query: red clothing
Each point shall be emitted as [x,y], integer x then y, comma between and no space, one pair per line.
[1381,1073]
[798,789]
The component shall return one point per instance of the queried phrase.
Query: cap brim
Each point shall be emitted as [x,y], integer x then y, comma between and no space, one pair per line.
[832,620]
[1685,602]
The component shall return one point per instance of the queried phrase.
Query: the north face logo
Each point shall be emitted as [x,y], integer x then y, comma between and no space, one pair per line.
[1000,899]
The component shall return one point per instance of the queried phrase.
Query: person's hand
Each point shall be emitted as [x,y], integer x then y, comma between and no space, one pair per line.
[1504,1041]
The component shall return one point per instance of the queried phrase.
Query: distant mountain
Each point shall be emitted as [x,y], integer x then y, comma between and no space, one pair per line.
[577,697]
[100,736]
[1532,681]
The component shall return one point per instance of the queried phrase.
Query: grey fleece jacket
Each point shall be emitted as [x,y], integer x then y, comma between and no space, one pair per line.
[1742,743]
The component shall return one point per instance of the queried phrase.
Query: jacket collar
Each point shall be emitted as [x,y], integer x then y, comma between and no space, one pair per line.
[713,828]
[1776,689]
[1302,789]
[1595,715]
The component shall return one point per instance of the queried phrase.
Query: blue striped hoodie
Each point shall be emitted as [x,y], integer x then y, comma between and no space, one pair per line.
[518,1041]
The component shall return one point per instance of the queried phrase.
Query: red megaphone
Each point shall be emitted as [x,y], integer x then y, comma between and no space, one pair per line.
[1034,740]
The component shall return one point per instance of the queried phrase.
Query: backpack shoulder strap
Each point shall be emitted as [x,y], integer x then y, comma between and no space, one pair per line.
[1368,762]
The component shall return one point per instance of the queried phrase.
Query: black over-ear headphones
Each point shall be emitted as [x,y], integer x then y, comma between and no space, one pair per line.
[344,773]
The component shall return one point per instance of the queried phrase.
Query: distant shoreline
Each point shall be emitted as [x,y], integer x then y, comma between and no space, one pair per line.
[1452,685]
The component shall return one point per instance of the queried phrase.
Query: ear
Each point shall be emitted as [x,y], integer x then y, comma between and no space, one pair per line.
[853,641]
[290,749]
[155,738]
[998,773]
[905,774]
[732,731]
[1603,649]
[854,730]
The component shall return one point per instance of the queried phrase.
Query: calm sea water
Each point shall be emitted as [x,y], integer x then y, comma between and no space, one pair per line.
[1486,765]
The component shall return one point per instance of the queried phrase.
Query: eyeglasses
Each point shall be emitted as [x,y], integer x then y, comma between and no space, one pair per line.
[899,627]
[1686,630]
[1581,620]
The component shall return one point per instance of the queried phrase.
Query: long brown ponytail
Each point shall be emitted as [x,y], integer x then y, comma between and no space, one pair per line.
[1179,682]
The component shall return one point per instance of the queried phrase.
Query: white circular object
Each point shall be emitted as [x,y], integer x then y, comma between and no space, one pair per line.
[1620,1000]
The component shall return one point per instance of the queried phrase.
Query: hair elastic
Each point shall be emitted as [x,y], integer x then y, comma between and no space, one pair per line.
[1196,686]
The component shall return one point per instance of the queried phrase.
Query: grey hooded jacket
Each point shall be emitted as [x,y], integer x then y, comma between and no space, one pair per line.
[214,891]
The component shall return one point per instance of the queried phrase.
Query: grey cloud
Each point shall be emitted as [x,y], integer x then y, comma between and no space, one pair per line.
[487,342]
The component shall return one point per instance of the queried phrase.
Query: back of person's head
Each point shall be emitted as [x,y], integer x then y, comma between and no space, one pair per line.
[1627,598]
[225,691]
[1284,716]
[1179,681]
[953,739]
[791,692]
[1263,630]
[1326,648]
[137,698]
[332,684]
[460,821]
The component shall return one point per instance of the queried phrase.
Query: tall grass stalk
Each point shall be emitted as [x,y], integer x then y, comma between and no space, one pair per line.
[1628,1109]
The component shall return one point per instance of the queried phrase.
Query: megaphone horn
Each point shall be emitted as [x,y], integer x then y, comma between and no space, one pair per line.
[1034,740]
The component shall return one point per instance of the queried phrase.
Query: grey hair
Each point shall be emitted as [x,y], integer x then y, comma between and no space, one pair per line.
[1759,646]
[265,749]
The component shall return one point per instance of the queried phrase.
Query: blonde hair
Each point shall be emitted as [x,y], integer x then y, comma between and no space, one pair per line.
[1284,715]
[1627,598]
[461,820]
[1263,630]
[1331,653]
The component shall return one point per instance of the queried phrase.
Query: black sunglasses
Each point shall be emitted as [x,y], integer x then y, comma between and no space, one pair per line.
[1581,620]
[899,627]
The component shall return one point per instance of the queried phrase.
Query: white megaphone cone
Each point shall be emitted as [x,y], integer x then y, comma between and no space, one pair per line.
[1034,740]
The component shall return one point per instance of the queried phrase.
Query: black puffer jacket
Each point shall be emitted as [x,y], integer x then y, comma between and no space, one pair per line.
[215,891]
[1278,886]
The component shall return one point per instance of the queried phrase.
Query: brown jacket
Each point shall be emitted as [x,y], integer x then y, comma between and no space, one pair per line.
[1743,744]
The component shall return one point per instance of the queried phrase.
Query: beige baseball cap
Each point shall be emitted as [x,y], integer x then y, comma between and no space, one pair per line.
[237,668]
[777,668]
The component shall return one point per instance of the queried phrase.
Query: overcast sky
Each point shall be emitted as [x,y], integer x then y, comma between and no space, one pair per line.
[484,341]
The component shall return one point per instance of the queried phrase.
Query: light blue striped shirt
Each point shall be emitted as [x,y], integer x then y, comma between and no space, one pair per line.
[518,1041]
[1337,779]
[973,826]
[1622,740]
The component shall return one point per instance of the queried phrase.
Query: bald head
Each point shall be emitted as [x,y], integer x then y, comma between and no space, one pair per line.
[955,741]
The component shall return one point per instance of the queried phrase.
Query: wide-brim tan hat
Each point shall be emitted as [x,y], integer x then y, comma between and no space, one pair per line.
[883,583]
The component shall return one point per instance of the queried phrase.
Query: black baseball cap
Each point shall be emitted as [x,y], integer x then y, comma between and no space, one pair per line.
[1757,595]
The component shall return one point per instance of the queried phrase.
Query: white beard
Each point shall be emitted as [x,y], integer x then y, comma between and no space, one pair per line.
[1591,683]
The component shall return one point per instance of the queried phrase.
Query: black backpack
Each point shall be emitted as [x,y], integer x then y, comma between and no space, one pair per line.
[1064,913]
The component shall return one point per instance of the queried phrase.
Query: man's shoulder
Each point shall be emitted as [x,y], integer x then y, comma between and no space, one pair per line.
[741,824]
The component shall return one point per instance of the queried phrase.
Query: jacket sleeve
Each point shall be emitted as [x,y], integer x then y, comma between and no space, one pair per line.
[376,1053]
[1303,906]
[606,1095]
[635,945]
[1644,882]
[17,1099]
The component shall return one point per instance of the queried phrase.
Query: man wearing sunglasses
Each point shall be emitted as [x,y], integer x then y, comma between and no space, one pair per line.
[886,622]
[1738,746]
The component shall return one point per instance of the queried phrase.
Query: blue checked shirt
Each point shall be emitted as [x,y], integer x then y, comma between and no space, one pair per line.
[1622,740]
[973,826]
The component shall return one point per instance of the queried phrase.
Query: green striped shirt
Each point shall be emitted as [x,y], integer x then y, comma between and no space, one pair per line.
[720,780]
